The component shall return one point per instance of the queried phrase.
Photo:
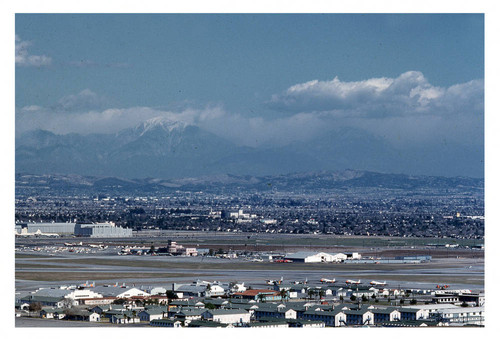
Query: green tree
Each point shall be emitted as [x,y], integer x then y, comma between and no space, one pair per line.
[35,307]
[364,298]
[283,294]
[353,297]
[210,306]
[171,295]
[413,301]
[402,301]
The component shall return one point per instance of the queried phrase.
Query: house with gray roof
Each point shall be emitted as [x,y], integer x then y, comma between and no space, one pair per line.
[227,316]
[383,315]
[123,319]
[153,313]
[274,311]
[334,318]
[189,314]
[358,317]
[57,302]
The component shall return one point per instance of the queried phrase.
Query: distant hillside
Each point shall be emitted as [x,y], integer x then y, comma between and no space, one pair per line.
[292,182]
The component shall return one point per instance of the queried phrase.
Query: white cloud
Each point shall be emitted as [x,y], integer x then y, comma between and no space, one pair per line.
[407,95]
[23,58]
[84,101]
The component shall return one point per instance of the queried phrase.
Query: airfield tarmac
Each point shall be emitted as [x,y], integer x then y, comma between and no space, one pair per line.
[34,271]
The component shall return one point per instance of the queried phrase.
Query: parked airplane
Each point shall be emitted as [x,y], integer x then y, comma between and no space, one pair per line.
[377,283]
[274,282]
[325,280]
[353,282]
[297,282]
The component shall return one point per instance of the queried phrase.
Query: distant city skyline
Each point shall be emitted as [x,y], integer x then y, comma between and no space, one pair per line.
[271,80]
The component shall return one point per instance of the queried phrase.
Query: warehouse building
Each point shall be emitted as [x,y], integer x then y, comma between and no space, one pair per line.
[102,230]
[46,227]
[99,230]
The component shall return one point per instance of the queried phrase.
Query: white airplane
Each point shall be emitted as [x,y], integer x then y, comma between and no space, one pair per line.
[377,283]
[273,282]
[325,280]
[353,282]
[95,246]
[297,282]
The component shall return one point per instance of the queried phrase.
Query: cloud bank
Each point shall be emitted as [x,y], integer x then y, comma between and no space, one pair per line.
[405,111]
[410,94]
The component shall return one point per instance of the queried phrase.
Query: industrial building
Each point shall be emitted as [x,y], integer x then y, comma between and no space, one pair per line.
[102,230]
[60,228]
[99,230]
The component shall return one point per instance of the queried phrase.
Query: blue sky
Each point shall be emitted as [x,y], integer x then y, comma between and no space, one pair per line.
[275,78]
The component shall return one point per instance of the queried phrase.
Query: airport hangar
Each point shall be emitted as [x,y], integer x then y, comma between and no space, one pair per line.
[312,257]
[98,230]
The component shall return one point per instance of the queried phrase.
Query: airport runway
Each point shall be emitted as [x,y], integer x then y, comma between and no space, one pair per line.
[458,273]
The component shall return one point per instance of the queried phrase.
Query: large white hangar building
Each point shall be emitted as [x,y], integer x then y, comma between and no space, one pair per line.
[47,227]
[312,257]
[98,230]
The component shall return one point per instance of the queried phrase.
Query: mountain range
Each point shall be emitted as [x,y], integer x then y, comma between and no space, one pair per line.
[164,149]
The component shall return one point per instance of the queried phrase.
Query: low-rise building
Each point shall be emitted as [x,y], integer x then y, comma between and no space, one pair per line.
[334,318]
[153,314]
[102,230]
[227,316]
[460,315]
[383,315]
[359,317]
[315,257]
[258,295]
[165,323]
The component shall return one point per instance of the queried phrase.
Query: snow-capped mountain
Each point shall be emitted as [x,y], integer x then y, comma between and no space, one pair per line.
[163,148]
